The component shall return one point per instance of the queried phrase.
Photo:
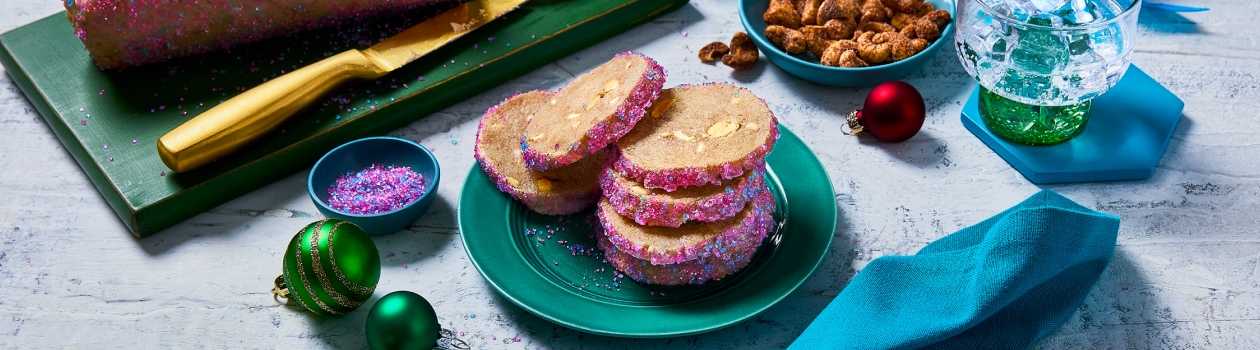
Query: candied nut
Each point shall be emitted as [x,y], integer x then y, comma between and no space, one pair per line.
[751,126]
[809,11]
[901,20]
[913,7]
[927,27]
[699,147]
[843,28]
[838,9]
[874,48]
[683,136]
[816,39]
[714,51]
[785,38]
[543,184]
[832,56]
[537,137]
[639,190]
[513,182]
[722,128]
[743,54]
[874,11]
[660,107]
[877,27]
[850,59]
[782,13]
[903,48]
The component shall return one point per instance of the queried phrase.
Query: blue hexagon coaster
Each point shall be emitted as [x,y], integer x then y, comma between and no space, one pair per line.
[1126,135]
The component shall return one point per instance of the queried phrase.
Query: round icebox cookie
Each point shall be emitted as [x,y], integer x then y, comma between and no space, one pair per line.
[687,272]
[657,207]
[558,191]
[591,112]
[698,135]
[691,241]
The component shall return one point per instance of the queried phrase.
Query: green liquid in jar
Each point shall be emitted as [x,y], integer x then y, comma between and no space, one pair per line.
[1031,124]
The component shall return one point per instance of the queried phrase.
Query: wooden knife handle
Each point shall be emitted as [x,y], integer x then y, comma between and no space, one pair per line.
[236,122]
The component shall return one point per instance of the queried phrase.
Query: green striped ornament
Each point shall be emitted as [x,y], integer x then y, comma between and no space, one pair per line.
[331,267]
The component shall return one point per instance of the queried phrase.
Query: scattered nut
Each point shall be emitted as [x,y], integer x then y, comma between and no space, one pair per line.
[714,51]
[743,54]
[513,182]
[543,184]
[722,128]
[660,107]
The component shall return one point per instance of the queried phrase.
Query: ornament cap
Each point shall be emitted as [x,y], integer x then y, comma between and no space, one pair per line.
[281,289]
[854,122]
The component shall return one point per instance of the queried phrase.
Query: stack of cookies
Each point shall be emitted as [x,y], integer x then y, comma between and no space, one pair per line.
[678,174]
[685,197]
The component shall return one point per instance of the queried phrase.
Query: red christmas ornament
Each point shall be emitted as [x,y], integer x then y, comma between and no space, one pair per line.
[893,112]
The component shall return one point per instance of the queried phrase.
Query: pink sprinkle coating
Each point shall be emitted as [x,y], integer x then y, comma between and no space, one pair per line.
[120,33]
[661,210]
[552,203]
[672,179]
[606,132]
[750,231]
[376,189]
[687,272]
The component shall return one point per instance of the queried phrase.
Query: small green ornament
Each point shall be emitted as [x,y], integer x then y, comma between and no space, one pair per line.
[331,267]
[402,320]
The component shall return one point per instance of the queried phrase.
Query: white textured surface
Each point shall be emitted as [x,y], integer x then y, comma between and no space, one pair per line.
[1186,273]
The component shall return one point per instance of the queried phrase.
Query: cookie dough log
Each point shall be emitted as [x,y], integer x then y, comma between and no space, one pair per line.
[122,33]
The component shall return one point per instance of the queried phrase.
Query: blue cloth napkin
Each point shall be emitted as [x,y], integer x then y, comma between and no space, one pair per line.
[1004,283]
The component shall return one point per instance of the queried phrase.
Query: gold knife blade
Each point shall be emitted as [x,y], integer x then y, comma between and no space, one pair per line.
[234,123]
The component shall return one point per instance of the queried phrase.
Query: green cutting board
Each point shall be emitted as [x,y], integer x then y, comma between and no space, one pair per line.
[126,111]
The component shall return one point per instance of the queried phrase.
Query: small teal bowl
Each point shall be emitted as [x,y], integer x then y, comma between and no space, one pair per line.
[362,153]
[750,12]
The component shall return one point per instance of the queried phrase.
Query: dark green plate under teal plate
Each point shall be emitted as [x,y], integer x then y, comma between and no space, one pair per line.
[549,265]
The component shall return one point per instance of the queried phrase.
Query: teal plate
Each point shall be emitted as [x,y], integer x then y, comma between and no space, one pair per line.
[549,265]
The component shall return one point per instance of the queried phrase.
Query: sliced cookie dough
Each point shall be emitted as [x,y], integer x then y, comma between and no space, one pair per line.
[693,240]
[698,135]
[657,207]
[687,272]
[558,191]
[591,112]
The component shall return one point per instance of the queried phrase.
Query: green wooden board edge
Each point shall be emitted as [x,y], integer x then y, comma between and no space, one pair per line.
[48,64]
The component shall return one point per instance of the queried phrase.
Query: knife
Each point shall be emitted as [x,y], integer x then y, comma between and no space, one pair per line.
[234,123]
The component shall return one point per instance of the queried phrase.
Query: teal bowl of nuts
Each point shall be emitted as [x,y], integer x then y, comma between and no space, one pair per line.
[806,65]
[382,184]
